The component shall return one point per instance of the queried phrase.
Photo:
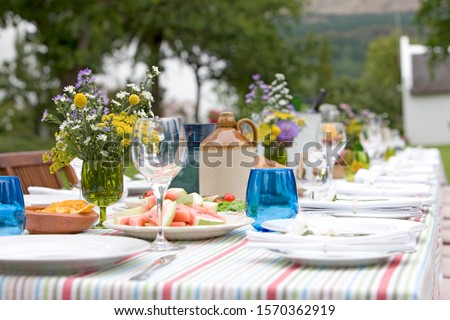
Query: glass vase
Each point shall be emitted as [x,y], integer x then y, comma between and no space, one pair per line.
[355,160]
[276,152]
[102,184]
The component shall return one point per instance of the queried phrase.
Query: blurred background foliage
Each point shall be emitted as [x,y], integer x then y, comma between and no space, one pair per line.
[355,58]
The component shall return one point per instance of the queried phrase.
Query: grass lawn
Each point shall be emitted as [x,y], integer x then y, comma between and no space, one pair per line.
[445,154]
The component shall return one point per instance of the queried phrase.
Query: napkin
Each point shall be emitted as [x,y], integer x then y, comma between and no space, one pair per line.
[355,204]
[382,189]
[50,191]
[393,241]
[392,169]
[366,176]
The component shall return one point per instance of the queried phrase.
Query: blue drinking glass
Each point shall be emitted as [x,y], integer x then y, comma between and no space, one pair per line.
[12,206]
[271,194]
[188,178]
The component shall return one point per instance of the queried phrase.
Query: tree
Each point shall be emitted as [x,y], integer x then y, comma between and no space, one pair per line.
[324,67]
[381,79]
[433,16]
[245,36]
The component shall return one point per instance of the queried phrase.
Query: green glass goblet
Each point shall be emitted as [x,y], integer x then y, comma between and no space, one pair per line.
[102,184]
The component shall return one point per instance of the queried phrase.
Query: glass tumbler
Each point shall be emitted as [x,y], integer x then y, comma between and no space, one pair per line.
[271,194]
[12,206]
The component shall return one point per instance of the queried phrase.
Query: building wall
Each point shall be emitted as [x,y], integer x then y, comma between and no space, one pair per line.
[426,118]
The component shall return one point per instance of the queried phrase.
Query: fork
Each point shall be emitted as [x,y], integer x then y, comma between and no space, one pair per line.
[158,263]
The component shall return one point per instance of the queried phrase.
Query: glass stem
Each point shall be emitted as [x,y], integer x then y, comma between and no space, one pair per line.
[159,191]
[102,216]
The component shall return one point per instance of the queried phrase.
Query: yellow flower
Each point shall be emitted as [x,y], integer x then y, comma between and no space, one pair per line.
[283,115]
[263,131]
[80,100]
[275,130]
[134,99]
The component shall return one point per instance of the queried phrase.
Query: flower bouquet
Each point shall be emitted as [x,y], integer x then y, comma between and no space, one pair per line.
[354,157]
[97,130]
[278,123]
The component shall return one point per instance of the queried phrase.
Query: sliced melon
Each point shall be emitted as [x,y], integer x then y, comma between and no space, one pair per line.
[203,219]
[186,199]
[168,212]
[211,206]
[196,201]
[128,212]
[175,193]
[210,198]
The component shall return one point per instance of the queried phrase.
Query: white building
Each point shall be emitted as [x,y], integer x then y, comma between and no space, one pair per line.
[425,96]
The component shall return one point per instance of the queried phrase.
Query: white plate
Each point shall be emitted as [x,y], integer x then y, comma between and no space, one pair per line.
[133,202]
[184,233]
[53,254]
[137,187]
[335,259]
[347,225]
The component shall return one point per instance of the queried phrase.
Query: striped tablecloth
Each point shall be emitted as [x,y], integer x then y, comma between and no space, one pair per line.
[224,268]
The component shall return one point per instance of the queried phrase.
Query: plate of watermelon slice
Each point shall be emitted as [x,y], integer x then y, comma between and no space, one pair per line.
[184,217]
[198,232]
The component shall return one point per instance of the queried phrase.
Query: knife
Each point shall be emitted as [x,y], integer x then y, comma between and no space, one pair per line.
[158,263]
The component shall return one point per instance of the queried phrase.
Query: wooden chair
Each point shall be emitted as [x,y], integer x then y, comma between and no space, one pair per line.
[32,171]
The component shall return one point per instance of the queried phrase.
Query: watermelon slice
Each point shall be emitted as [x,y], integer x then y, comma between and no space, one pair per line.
[127,213]
[204,219]
[168,213]
[211,206]
[175,193]
[182,214]
[137,221]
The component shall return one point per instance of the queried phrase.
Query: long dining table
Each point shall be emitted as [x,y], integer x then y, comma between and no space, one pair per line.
[225,268]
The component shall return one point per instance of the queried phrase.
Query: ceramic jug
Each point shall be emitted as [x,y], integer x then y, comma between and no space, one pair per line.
[226,157]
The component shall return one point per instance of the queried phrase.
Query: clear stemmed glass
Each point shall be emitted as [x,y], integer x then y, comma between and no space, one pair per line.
[332,136]
[371,138]
[159,151]
[312,173]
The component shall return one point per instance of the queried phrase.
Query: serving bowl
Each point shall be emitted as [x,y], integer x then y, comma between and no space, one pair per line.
[57,223]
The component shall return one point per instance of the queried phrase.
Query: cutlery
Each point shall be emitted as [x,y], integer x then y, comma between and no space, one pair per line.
[158,263]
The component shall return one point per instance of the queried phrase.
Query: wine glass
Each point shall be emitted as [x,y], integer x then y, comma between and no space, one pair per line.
[371,138]
[332,136]
[159,150]
[312,173]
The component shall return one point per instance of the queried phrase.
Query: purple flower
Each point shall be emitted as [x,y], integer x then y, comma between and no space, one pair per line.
[250,95]
[82,75]
[75,115]
[256,76]
[290,106]
[289,130]
[105,111]
[57,97]
[44,115]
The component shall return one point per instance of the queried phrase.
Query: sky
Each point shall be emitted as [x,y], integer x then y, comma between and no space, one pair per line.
[178,80]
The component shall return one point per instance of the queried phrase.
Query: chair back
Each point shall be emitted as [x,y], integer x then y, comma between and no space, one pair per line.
[32,171]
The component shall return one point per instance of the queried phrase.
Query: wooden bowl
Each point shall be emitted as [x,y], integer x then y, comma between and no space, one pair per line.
[57,223]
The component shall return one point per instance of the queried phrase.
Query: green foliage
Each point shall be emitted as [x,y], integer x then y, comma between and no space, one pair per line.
[378,88]
[434,18]
[350,36]
[246,36]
